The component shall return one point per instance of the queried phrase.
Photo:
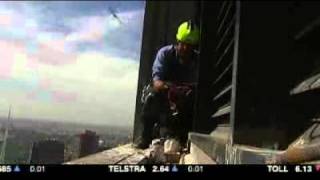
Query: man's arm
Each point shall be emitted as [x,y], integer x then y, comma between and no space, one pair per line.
[159,85]
[158,70]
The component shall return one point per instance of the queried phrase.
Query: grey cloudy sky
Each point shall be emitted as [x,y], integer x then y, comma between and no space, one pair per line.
[70,61]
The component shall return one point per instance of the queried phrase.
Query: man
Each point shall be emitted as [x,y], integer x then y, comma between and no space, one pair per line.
[176,63]
[173,64]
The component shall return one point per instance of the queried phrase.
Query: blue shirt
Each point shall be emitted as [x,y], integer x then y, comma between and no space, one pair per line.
[167,67]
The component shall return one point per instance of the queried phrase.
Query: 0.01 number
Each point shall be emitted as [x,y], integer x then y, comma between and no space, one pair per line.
[195,168]
[37,169]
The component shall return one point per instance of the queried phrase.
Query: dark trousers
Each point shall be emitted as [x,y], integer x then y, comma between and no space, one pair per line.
[154,115]
[158,122]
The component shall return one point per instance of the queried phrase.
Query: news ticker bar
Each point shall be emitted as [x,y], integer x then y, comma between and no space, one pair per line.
[204,169]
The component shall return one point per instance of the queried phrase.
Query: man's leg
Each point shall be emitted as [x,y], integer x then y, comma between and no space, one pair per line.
[150,114]
[164,114]
[186,118]
[147,131]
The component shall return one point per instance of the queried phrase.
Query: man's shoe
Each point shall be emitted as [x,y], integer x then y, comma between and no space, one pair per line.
[141,146]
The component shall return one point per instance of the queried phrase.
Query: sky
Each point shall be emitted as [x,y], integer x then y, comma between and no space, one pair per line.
[70,61]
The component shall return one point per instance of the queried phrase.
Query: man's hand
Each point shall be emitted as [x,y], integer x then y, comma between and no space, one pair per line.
[159,85]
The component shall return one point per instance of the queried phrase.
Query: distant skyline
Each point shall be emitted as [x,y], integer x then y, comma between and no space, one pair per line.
[70,61]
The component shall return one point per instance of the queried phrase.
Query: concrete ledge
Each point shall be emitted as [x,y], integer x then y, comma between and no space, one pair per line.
[252,155]
[312,162]
[196,156]
[205,147]
[125,154]
[211,149]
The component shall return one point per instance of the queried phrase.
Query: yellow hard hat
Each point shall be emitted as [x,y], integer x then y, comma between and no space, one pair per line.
[188,33]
